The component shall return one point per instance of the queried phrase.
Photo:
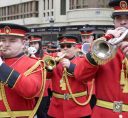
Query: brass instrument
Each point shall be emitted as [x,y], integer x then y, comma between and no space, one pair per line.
[103,51]
[78,53]
[51,62]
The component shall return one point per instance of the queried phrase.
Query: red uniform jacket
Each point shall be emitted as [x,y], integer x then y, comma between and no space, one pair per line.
[89,83]
[60,108]
[48,84]
[107,83]
[20,90]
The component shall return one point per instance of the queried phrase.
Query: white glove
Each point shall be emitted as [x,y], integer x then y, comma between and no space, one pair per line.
[32,50]
[124,47]
[65,62]
[1,61]
[116,32]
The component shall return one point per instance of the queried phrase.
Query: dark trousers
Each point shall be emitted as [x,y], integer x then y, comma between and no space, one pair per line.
[43,108]
[93,101]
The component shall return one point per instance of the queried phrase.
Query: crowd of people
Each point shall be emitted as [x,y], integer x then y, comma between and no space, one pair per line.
[74,79]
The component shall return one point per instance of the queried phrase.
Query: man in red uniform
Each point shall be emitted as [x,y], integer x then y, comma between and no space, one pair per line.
[87,36]
[19,83]
[52,48]
[35,42]
[69,95]
[111,82]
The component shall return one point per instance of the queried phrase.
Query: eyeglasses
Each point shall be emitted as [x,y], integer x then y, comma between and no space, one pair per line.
[66,45]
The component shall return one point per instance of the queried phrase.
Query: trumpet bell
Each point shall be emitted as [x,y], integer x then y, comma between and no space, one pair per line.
[50,63]
[102,51]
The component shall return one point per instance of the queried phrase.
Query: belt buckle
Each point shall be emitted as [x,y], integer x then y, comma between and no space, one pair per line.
[66,96]
[117,106]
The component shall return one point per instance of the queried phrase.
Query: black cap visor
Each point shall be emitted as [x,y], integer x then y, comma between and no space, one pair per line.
[114,14]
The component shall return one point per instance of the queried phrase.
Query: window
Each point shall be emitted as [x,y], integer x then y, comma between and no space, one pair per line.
[63,7]
[44,14]
[18,11]
[102,3]
[72,4]
[44,4]
[84,3]
[48,4]
[52,4]
[52,13]
[47,13]
[79,4]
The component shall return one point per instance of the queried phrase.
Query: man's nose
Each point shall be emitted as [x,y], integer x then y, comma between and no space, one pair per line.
[65,47]
[123,22]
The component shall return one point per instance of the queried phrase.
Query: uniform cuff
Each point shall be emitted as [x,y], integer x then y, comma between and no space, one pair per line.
[8,76]
[90,59]
[71,68]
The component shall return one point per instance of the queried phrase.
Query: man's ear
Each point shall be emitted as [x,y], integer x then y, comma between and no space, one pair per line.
[24,41]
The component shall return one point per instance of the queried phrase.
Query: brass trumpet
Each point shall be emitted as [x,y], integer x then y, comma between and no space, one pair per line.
[103,51]
[51,62]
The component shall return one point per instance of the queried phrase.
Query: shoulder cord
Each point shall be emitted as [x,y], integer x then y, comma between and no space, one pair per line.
[70,91]
[41,94]
[3,94]
[124,75]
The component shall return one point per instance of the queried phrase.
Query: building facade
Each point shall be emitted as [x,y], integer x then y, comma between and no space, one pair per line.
[51,18]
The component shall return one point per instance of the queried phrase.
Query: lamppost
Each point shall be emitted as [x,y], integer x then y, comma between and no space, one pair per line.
[51,26]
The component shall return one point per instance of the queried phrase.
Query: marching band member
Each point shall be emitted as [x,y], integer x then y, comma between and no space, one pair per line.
[111,82]
[20,76]
[87,36]
[70,97]
[35,42]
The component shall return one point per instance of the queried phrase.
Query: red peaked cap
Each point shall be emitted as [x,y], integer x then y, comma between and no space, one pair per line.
[120,7]
[34,38]
[87,31]
[52,47]
[13,29]
[67,38]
